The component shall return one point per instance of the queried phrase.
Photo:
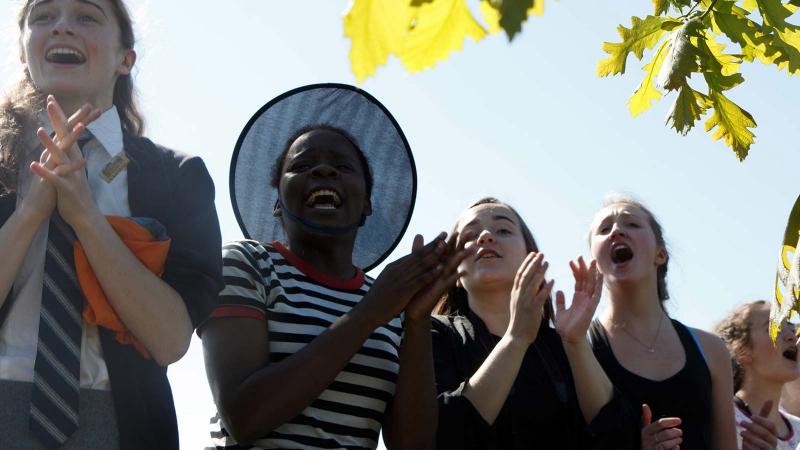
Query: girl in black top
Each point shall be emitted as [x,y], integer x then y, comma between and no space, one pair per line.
[678,376]
[505,379]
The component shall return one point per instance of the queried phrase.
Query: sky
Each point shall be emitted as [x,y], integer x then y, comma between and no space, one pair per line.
[528,122]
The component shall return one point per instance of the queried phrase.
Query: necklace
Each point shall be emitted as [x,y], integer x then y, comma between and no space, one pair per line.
[650,348]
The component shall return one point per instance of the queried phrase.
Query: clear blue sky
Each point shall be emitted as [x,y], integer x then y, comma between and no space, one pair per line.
[529,123]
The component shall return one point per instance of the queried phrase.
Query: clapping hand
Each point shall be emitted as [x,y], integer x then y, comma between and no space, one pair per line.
[573,323]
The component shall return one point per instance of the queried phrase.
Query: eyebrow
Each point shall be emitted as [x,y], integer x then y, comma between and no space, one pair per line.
[495,218]
[86,2]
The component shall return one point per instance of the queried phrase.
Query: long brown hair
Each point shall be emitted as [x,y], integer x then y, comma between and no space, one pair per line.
[454,301]
[20,109]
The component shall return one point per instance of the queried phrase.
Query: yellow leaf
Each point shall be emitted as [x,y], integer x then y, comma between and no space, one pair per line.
[732,124]
[784,45]
[438,28]
[491,16]
[750,5]
[643,34]
[646,93]
[376,29]
[729,63]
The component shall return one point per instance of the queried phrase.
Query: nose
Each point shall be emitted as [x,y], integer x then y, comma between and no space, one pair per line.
[485,236]
[616,230]
[62,26]
[324,170]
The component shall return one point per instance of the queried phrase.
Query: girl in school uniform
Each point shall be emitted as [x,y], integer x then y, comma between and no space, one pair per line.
[65,381]
[760,372]
[679,377]
[505,378]
[305,351]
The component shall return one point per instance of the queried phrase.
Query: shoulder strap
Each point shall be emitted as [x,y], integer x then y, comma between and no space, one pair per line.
[693,335]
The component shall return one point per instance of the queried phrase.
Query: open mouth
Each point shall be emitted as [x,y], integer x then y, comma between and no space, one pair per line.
[791,354]
[63,55]
[324,199]
[487,254]
[621,253]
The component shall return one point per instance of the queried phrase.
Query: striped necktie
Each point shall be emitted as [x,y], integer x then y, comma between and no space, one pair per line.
[56,375]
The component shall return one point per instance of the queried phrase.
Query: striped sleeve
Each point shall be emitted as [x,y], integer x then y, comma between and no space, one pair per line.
[245,265]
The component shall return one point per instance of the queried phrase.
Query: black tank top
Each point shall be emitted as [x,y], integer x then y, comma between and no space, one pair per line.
[687,394]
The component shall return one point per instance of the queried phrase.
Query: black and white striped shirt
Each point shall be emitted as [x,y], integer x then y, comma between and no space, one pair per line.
[299,303]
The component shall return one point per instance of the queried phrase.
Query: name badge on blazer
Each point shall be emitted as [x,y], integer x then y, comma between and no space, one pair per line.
[114,167]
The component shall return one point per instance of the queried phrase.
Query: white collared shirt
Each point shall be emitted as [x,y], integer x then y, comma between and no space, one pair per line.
[19,334]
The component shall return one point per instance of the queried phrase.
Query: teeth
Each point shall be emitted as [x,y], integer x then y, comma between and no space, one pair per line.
[64,51]
[324,192]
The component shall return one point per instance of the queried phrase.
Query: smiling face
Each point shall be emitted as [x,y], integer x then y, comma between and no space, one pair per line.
[763,360]
[497,233]
[322,180]
[625,246]
[72,49]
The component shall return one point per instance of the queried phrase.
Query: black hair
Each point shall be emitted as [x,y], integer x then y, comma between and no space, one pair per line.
[277,168]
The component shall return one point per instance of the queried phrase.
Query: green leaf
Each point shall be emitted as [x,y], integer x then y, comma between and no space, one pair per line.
[689,106]
[729,19]
[660,7]
[713,58]
[643,34]
[681,60]
[512,14]
[784,44]
[646,93]
[509,15]
[438,29]
[376,29]
[732,123]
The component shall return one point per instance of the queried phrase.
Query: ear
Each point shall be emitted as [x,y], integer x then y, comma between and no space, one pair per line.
[22,58]
[745,357]
[367,207]
[661,256]
[458,283]
[127,62]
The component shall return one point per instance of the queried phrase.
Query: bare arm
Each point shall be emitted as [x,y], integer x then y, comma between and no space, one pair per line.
[592,385]
[488,388]
[255,396]
[719,364]
[412,419]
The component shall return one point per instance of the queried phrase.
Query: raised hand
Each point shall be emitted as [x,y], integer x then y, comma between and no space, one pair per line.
[761,433]
[62,160]
[663,434]
[423,302]
[401,280]
[573,323]
[528,295]
[41,197]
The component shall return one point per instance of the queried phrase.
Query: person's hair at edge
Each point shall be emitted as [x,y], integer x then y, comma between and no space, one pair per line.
[658,232]
[277,168]
[20,109]
[734,330]
[454,301]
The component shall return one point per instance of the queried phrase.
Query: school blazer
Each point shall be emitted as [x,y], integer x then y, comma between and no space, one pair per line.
[177,190]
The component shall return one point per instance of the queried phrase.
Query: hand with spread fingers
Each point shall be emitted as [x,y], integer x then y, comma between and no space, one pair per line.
[528,295]
[423,302]
[761,433]
[663,434]
[572,324]
[402,279]
[61,160]
[41,198]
